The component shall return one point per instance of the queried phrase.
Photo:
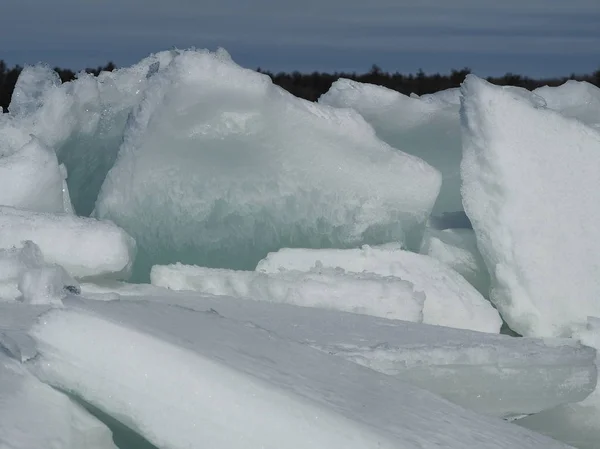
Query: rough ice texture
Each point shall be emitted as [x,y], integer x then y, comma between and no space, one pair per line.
[530,188]
[85,247]
[229,385]
[427,127]
[576,99]
[31,179]
[251,168]
[83,120]
[457,248]
[365,293]
[14,262]
[47,285]
[449,299]
[492,374]
[33,415]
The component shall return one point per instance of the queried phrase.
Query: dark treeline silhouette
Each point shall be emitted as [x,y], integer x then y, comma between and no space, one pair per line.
[312,85]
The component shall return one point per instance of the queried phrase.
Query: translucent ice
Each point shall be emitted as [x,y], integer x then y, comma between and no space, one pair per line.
[226,385]
[530,188]
[449,299]
[251,168]
[427,127]
[85,247]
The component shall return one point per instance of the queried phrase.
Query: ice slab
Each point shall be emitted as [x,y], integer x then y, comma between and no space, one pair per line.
[33,415]
[449,299]
[575,99]
[427,127]
[492,374]
[365,293]
[457,248]
[31,179]
[251,168]
[85,247]
[83,120]
[226,385]
[530,189]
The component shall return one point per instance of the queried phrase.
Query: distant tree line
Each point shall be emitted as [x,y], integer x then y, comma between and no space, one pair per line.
[312,85]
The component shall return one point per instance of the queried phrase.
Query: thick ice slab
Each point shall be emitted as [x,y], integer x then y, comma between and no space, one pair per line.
[33,415]
[227,385]
[492,374]
[31,179]
[530,188]
[251,168]
[427,127]
[449,299]
[576,99]
[457,248]
[85,247]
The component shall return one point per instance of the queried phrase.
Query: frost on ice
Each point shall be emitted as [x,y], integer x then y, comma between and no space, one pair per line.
[449,299]
[530,188]
[251,168]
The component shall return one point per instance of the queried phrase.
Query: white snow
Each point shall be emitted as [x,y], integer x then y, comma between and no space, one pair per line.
[576,99]
[530,188]
[449,299]
[457,248]
[427,127]
[85,247]
[221,384]
[492,374]
[13,263]
[33,415]
[366,293]
[31,179]
[46,285]
[251,168]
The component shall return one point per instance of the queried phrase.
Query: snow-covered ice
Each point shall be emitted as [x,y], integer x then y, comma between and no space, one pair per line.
[85,247]
[251,168]
[31,178]
[530,188]
[427,127]
[14,262]
[576,99]
[215,375]
[492,374]
[449,299]
[47,285]
[365,293]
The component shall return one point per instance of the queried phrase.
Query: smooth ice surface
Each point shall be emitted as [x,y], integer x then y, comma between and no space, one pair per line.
[85,247]
[31,179]
[427,127]
[365,293]
[576,99]
[33,415]
[449,299]
[251,168]
[83,120]
[457,248]
[229,385]
[530,188]
[492,374]
[14,262]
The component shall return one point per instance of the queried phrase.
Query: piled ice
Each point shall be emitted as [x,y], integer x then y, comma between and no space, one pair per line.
[427,127]
[449,299]
[85,247]
[14,262]
[250,169]
[530,188]
[576,99]
[216,375]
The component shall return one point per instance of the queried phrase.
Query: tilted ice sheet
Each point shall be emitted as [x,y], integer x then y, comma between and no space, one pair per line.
[492,374]
[576,99]
[85,247]
[83,120]
[530,188]
[457,248]
[221,384]
[365,293]
[219,166]
[31,178]
[427,127]
[449,299]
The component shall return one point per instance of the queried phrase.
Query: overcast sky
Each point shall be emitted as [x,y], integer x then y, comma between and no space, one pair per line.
[533,37]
